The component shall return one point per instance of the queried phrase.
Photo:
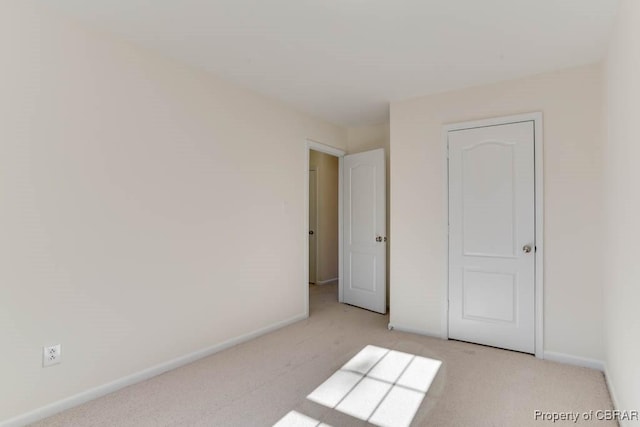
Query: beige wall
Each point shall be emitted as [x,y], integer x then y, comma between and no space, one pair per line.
[326,167]
[365,138]
[622,202]
[571,103]
[149,210]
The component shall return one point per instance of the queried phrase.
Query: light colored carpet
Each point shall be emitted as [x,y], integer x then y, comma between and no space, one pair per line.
[259,382]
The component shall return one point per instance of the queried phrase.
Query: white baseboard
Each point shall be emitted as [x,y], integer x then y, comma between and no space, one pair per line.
[400,328]
[94,393]
[612,392]
[324,282]
[548,355]
[614,398]
[574,360]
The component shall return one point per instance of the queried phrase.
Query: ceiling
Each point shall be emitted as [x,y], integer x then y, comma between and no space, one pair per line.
[345,60]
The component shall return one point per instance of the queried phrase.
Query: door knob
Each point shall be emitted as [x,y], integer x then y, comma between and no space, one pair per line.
[526,249]
[310,232]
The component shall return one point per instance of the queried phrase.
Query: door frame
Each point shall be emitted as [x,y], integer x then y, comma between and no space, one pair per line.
[536,117]
[336,152]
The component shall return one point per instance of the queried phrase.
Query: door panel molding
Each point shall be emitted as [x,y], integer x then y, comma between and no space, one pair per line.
[536,117]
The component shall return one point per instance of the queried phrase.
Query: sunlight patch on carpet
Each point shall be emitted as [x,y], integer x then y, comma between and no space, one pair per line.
[384,387]
[296,419]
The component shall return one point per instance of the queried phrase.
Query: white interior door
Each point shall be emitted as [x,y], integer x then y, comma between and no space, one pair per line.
[364,224]
[313,226]
[491,236]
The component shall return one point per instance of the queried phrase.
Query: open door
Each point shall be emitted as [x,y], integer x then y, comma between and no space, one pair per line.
[365,241]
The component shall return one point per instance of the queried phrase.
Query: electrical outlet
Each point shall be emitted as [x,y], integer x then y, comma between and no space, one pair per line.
[51,355]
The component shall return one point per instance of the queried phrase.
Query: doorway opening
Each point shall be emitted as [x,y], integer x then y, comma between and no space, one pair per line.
[323,188]
[323,224]
[362,240]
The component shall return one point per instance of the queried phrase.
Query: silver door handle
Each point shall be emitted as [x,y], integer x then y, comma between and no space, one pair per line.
[526,249]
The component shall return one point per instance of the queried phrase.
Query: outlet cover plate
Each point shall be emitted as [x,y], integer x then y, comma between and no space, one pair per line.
[51,355]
